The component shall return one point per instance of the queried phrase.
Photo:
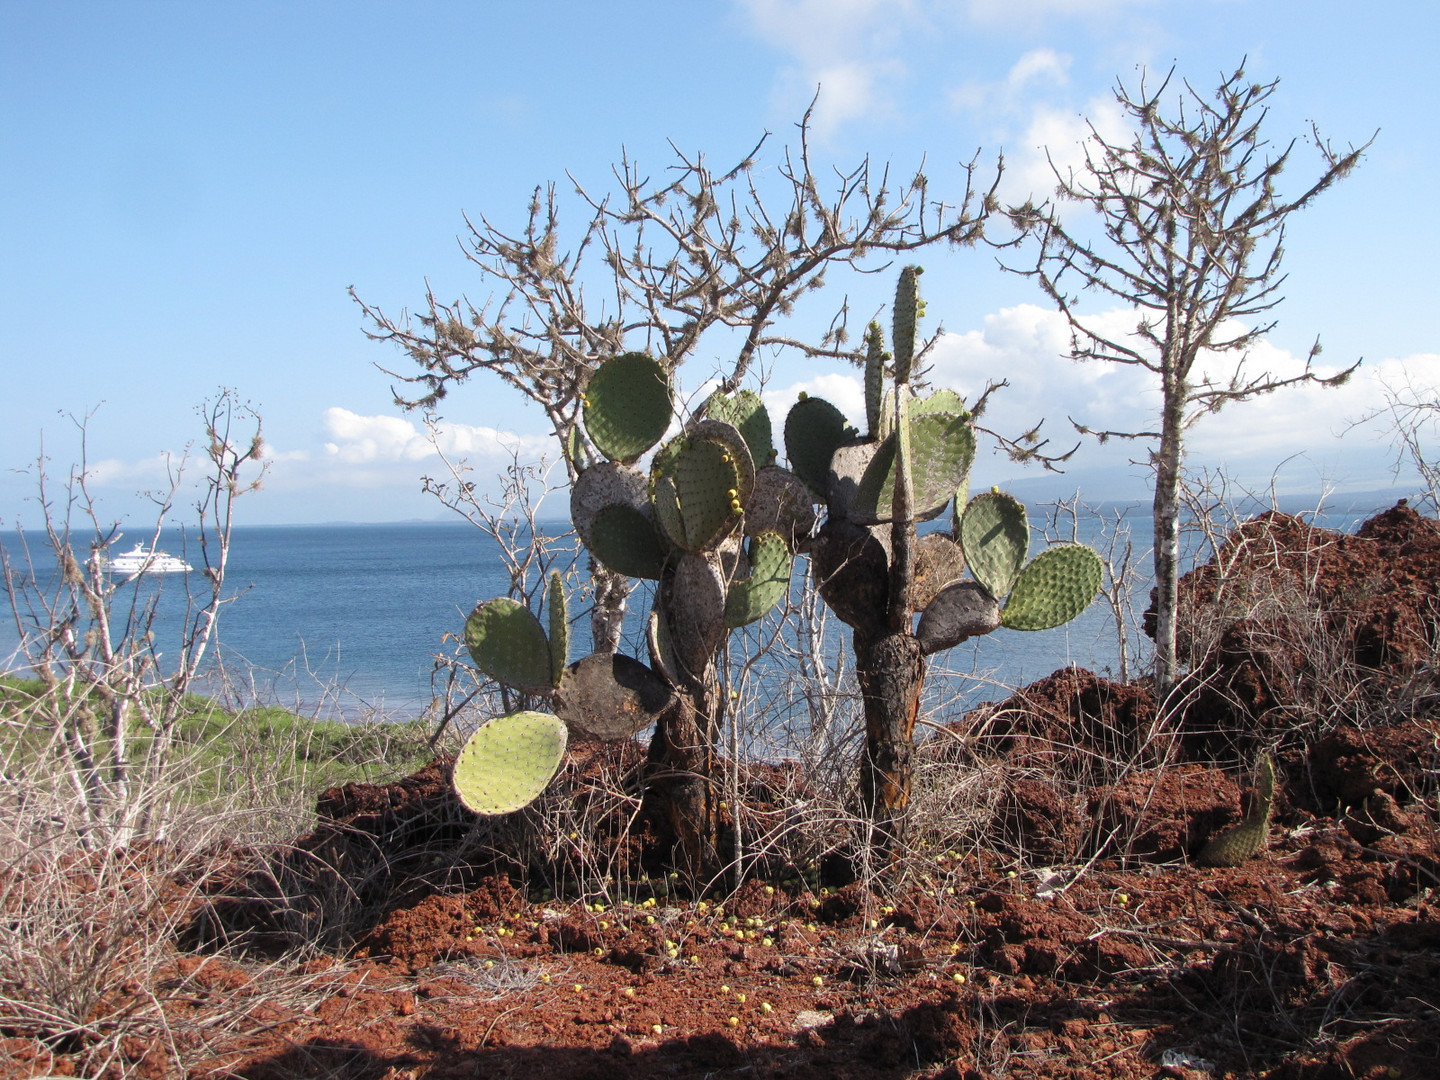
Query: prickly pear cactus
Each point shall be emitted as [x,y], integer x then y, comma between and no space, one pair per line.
[509,761]
[1238,843]
[995,535]
[1055,588]
[875,573]
[559,626]
[508,643]
[714,523]
[627,406]
[751,594]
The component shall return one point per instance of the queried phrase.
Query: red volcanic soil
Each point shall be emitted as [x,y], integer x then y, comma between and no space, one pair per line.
[1084,942]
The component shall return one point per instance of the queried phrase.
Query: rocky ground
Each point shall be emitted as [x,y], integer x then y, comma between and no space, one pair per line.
[1085,940]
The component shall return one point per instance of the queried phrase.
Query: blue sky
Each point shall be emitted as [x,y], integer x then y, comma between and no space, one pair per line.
[187,190]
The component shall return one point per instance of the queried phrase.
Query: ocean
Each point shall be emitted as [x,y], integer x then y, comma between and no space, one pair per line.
[348,619]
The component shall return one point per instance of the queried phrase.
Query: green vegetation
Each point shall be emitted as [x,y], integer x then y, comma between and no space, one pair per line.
[219,752]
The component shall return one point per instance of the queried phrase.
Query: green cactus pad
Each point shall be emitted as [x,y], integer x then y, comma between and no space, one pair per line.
[941,401]
[749,598]
[876,362]
[942,449]
[813,430]
[887,416]
[508,643]
[602,486]
[625,541]
[1238,843]
[665,500]
[729,436]
[904,319]
[961,610]
[746,413]
[575,450]
[509,761]
[1056,587]
[555,609]
[958,505]
[995,534]
[707,485]
[610,696]
[628,406]
[695,606]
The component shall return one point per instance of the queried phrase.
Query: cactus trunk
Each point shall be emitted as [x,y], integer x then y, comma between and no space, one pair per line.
[680,797]
[891,670]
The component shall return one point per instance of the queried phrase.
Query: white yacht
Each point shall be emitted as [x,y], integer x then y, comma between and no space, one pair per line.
[142,560]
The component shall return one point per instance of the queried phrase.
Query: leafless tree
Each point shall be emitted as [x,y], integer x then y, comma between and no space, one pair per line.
[1193,237]
[1411,415]
[694,255]
[109,703]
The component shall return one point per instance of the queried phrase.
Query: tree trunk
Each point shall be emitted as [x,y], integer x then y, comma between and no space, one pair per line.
[1166,509]
[891,669]
[607,618]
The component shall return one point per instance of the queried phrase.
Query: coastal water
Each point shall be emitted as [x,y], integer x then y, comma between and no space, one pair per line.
[346,619]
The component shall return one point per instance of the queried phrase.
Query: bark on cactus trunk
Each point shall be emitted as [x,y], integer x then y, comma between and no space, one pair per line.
[891,669]
[680,797]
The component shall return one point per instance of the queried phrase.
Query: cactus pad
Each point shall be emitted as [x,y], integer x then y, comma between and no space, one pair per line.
[995,534]
[600,487]
[941,401]
[1233,846]
[746,413]
[904,319]
[780,502]
[938,562]
[813,429]
[624,540]
[852,571]
[705,488]
[729,436]
[508,762]
[610,696]
[508,643]
[749,598]
[558,617]
[942,448]
[876,361]
[696,605]
[627,406]
[1056,587]
[847,469]
[959,611]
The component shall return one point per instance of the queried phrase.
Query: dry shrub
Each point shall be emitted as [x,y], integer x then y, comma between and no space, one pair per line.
[1293,630]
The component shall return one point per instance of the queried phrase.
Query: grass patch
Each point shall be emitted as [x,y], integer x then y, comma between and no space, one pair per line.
[270,753]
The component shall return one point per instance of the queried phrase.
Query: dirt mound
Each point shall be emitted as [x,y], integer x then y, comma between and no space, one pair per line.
[1291,624]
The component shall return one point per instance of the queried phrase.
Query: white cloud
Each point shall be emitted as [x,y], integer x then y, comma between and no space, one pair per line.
[1033,71]
[365,440]
[1027,345]
[154,473]
[845,392]
[849,49]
